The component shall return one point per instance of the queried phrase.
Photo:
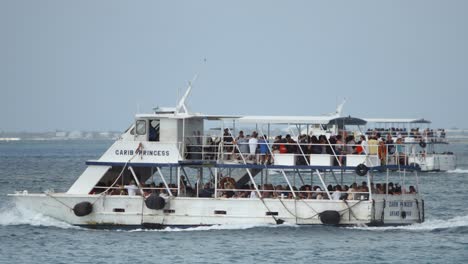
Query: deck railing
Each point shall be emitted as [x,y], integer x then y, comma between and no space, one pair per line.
[302,153]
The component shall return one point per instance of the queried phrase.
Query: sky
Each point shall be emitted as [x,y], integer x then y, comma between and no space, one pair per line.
[92,65]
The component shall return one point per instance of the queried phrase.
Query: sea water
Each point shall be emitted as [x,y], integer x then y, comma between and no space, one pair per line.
[37,166]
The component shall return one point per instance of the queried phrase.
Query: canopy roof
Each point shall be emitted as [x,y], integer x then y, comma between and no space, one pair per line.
[348,120]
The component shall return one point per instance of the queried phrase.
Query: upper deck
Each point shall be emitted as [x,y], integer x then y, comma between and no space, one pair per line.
[171,138]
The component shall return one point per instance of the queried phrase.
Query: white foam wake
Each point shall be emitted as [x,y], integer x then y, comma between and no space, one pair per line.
[458,221]
[12,215]
[458,171]
[213,227]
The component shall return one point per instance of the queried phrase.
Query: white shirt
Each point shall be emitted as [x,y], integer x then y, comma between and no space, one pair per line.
[131,189]
[253,142]
[253,194]
[365,147]
[336,195]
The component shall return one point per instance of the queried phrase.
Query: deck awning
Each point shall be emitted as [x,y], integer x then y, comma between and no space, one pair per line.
[348,121]
[285,119]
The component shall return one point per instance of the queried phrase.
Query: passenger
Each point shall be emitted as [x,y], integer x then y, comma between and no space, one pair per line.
[382,153]
[364,145]
[227,140]
[373,146]
[283,146]
[350,145]
[323,143]
[242,143]
[315,148]
[400,152]
[340,149]
[317,191]
[303,150]
[412,190]
[131,189]
[352,191]
[397,189]
[278,192]
[253,144]
[336,193]
[292,145]
[276,144]
[330,148]
[253,193]
[378,189]
[264,150]
[290,194]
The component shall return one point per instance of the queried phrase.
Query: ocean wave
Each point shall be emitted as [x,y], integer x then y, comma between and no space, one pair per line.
[458,171]
[13,216]
[211,228]
[431,225]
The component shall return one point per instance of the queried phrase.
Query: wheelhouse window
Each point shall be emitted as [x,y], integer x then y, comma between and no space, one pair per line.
[141,127]
[154,130]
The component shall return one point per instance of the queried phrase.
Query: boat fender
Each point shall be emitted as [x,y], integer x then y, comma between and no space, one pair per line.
[416,166]
[361,169]
[422,144]
[155,202]
[330,217]
[83,209]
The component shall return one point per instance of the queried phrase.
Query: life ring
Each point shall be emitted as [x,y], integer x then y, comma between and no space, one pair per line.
[361,169]
[422,144]
[226,181]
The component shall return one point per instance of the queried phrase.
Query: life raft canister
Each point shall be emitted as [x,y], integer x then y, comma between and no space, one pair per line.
[155,202]
[330,217]
[83,209]
[361,169]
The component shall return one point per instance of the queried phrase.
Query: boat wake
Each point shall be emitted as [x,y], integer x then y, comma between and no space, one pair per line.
[15,216]
[458,171]
[213,227]
[431,225]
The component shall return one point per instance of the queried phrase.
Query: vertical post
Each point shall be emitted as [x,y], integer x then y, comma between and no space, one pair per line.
[216,183]
[164,181]
[136,180]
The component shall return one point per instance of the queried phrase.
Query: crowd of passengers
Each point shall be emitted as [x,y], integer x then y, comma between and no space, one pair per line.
[258,148]
[337,192]
[414,133]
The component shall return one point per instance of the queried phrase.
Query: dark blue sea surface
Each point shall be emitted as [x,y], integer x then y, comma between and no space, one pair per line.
[37,166]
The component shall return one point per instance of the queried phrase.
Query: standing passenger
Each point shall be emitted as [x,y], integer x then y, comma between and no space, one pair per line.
[253,144]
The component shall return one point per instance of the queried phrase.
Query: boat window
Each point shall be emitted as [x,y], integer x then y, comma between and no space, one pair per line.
[154,130]
[141,127]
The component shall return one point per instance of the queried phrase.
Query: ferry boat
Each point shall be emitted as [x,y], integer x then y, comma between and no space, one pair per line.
[424,146]
[174,168]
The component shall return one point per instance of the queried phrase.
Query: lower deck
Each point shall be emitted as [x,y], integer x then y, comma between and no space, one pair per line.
[187,211]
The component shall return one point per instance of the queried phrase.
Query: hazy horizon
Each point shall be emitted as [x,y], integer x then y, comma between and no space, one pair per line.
[89,65]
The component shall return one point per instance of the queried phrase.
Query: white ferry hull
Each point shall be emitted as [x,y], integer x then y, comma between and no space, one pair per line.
[434,162]
[181,211]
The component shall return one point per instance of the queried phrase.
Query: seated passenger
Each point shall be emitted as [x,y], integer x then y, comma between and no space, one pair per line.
[336,193]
